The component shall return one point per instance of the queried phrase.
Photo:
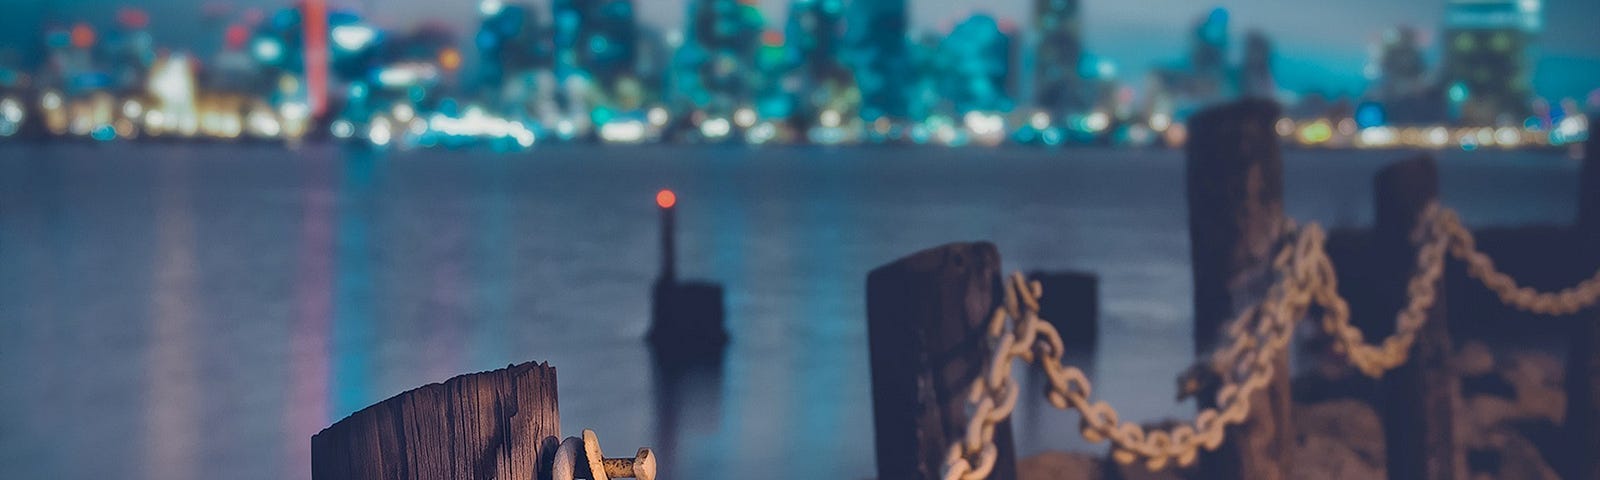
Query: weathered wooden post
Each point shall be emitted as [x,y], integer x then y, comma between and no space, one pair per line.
[1583,360]
[1235,192]
[490,425]
[1420,396]
[925,328]
[1071,303]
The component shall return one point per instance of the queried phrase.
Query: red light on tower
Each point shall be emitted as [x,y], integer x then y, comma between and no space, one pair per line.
[666,199]
[133,18]
[82,35]
[236,36]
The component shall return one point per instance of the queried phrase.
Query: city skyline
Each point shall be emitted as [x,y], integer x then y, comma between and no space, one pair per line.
[1320,46]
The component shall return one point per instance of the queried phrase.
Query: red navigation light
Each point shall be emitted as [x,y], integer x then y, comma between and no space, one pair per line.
[235,36]
[666,199]
[82,35]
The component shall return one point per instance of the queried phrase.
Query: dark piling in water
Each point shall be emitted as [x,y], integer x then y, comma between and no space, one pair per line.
[1420,397]
[1583,359]
[926,317]
[1071,303]
[686,317]
[1235,192]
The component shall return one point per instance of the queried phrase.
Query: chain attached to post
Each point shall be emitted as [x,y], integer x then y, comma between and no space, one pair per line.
[1480,266]
[1305,277]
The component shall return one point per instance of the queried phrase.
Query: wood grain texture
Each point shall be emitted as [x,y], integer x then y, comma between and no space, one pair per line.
[500,424]
[925,319]
[1420,398]
[1234,178]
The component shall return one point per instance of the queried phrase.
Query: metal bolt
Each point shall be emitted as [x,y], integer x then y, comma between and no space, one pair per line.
[595,466]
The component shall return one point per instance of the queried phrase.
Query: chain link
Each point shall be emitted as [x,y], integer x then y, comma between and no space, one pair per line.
[1463,246]
[1305,277]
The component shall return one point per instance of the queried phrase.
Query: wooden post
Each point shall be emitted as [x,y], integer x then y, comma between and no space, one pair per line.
[490,425]
[1420,396]
[1235,191]
[1071,303]
[925,328]
[1583,359]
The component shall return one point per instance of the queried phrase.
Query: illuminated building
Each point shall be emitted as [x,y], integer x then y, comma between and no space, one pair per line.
[714,69]
[977,69]
[1208,57]
[597,37]
[512,42]
[131,50]
[1487,66]
[815,81]
[1401,83]
[1255,75]
[875,47]
[1056,83]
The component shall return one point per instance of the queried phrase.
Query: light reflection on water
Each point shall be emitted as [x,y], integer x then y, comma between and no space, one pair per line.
[200,311]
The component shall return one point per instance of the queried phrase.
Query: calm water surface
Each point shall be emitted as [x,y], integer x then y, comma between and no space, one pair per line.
[184,312]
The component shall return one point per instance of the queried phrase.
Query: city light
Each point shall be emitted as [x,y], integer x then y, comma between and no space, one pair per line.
[596,75]
[267,50]
[353,37]
[666,199]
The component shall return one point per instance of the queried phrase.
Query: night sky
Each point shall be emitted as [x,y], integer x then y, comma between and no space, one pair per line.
[1321,44]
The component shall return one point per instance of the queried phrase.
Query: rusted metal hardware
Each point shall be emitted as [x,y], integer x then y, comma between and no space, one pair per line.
[577,458]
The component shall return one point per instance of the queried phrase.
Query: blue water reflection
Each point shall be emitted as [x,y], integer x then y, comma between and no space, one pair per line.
[200,311]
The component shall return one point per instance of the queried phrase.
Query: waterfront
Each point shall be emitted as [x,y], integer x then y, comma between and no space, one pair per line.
[200,311]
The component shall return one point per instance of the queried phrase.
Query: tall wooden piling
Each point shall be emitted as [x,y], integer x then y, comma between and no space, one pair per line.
[1420,397]
[1235,192]
[925,327]
[1583,360]
[491,425]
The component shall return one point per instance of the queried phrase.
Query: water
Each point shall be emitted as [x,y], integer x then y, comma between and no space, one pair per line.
[179,312]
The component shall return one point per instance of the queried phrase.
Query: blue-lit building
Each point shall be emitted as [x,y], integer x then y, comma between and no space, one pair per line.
[1255,71]
[1402,86]
[594,37]
[513,43]
[1208,56]
[714,69]
[876,50]
[1487,69]
[814,79]
[1057,87]
[976,67]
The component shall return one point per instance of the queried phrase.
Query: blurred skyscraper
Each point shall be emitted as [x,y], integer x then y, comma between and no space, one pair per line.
[1255,74]
[514,46]
[714,67]
[976,66]
[1401,81]
[876,50]
[1487,65]
[1208,57]
[1057,86]
[816,80]
[599,37]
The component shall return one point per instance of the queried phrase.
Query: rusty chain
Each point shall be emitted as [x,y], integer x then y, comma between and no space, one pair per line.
[1305,277]
[1480,266]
